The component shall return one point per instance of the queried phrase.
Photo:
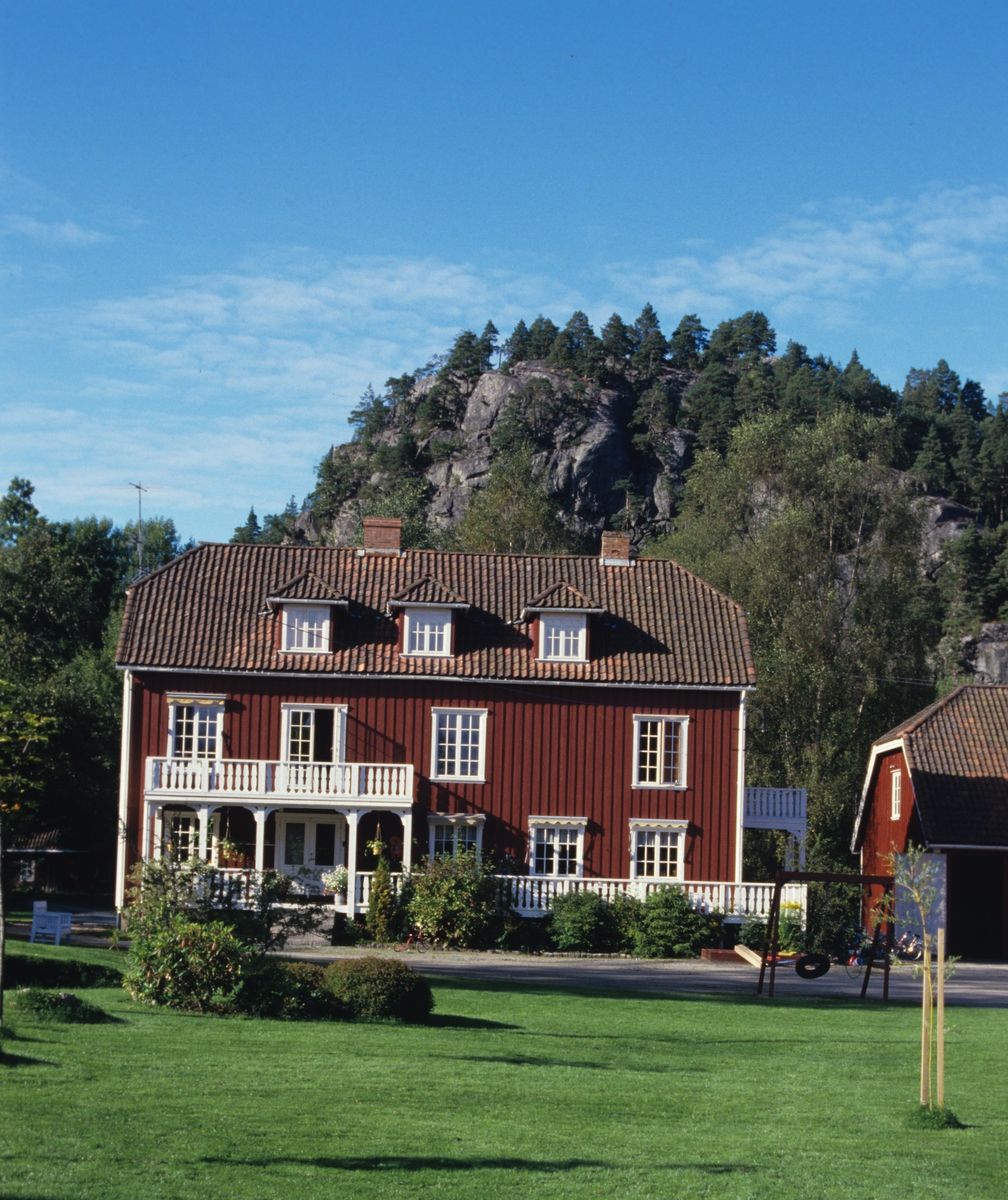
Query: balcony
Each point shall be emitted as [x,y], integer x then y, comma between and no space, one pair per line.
[253,781]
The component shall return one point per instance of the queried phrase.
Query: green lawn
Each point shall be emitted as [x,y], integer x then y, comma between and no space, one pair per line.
[516,1092]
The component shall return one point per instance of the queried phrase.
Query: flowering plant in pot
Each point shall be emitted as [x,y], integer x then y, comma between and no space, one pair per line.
[335,881]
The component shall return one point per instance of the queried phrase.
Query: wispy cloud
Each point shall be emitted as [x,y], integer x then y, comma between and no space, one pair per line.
[226,388]
[52,233]
[834,261]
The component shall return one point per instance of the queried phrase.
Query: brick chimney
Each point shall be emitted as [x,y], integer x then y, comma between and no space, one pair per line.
[382,534]
[615,548]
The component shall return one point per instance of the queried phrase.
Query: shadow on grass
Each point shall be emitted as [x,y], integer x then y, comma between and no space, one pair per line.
[409,1162]
[22,1060]
[449,1021]
[402,1162]
[532,1060]
[746,998]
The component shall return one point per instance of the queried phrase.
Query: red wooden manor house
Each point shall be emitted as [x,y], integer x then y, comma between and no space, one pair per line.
[579,719]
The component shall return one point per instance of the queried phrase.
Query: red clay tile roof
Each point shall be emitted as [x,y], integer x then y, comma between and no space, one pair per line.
[957,755]
[307,586]
[426,591]
[661,625]
[561,597]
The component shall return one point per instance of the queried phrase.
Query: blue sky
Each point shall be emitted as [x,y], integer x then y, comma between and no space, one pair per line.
[219,222]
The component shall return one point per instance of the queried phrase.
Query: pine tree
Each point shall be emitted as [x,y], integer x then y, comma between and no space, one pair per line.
[618,341]
[249,532]
[541,336]
[516,348]
[688,343]
[651,345]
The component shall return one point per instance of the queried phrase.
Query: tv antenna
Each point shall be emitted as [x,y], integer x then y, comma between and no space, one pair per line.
[141,569]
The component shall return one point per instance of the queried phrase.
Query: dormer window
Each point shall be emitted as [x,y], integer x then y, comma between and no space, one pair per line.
[306,628]
[563,638]
[428,632]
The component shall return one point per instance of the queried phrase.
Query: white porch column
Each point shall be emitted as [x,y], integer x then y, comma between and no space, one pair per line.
[203,813]
[260,815]
[407,835]
[144,838]
[352,818]
[157,842]
[740,786]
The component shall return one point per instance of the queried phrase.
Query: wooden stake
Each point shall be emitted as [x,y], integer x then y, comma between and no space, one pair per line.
[925,1023]
[940,1018]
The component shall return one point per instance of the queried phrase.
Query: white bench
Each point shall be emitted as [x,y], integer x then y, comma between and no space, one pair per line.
[48,924]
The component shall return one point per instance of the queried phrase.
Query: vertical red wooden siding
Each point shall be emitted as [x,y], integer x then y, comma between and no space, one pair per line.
[553,751]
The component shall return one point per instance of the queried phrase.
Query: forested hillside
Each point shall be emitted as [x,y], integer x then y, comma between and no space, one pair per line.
[862,528]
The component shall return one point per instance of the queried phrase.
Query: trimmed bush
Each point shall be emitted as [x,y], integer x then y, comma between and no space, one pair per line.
[383,918]
[287,991]
[62,1007]
[26,970]
[455,901]
[670,928]
[582,921]
[372,989]
[186,965]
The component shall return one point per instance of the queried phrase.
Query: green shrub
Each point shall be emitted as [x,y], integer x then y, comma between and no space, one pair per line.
[752,933]
[62,1007]
[288,991]
[627,912]
[790,935]
[23,971]
[582,921]
[186,965]
[670,928]
[530,935]
[455,901]
[375,988]
[383,919]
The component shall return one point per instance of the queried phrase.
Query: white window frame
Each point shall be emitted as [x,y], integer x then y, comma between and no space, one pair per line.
[672,828]
[481,715]
[577,825]
[468,820]
[203,704]
[417,616]
[310,821]
[895,794]
[288,632]
[681,782]
[339,729]
[563,623]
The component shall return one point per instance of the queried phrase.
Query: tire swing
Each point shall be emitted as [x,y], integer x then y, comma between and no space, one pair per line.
[812,966]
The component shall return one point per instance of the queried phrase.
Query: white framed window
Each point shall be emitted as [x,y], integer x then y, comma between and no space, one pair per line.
[895,795]
[660,751]
[556,846]
[563,638]
[180,835]
[657,849]
[458,749]
[428,631]
[195,726]
[313,733]
[451,834]
[306,628]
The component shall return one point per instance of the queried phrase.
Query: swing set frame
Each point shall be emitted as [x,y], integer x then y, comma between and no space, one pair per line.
[771,943]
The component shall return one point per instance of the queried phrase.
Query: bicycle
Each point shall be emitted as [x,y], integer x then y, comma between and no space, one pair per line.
[415,941]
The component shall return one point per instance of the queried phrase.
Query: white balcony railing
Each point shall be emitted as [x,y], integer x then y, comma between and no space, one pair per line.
[776,808]
[187,780]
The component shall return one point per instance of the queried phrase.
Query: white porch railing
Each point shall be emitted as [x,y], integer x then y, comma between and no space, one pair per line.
[531,895]
[188,780]
[776,808]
